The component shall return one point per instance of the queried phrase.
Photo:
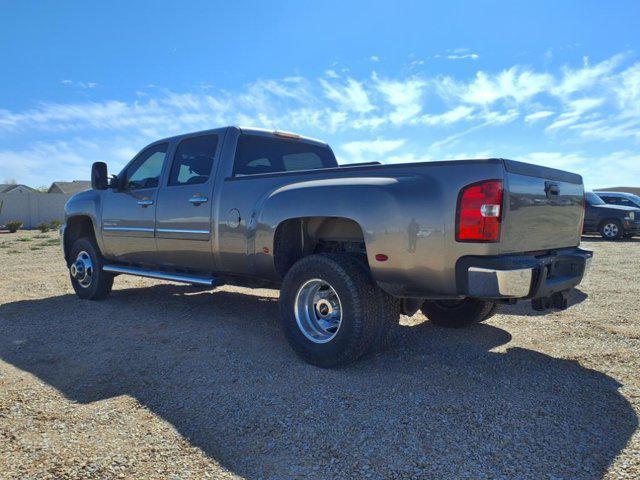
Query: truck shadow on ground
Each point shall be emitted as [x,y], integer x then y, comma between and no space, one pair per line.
[438,404]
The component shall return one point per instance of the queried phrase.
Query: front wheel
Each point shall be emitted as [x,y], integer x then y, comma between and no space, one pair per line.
[88,279]
[458,313]
[611,230]
[326,309]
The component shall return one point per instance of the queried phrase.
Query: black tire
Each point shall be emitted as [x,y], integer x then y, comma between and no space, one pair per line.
[458,313]
[611,229]
[360,324]
[389,312]
[101,282]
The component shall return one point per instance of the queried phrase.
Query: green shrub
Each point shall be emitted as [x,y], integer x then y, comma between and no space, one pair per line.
[44,227]
[56,224]
[14,226]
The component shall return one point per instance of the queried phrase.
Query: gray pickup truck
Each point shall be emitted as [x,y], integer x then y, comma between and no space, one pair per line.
[349,247]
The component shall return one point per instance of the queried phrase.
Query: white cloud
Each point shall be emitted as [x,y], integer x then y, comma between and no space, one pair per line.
[374,58]
[461,112]
[576,110]
[472,56]
[362,151]
[576,80]
[589,105]
[351,97]
[539,115]
[404,96]
[458,54]
[515,84]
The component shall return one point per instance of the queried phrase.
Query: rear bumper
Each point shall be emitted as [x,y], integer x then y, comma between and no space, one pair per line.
[522,276]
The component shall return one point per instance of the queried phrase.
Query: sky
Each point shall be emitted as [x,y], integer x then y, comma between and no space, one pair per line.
[554,83]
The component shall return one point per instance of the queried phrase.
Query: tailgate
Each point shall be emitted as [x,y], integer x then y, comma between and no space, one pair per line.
[543,209]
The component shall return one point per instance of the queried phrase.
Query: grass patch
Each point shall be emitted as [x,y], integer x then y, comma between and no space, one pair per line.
[49,243]
[35,247]
[13,251]
[5,245]
[40,235]
[24,239]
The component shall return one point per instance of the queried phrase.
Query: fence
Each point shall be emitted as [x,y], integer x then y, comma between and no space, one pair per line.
[32,208]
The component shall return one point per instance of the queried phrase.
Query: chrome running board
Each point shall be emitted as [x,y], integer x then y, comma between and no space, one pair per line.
[159,275]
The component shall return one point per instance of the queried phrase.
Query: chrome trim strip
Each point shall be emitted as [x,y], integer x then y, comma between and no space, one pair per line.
[495,283]
[182,230]
[127,229]
[159,275]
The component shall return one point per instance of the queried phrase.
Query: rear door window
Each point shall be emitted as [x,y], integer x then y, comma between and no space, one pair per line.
[257,154]
[193,160]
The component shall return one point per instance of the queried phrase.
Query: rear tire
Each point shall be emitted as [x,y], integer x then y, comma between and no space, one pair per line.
[611,230]
[88,279]
[313,291]
[458,313]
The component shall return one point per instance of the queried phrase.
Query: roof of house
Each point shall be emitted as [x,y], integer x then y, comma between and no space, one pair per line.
[634,190]
[7,187]
[71,187]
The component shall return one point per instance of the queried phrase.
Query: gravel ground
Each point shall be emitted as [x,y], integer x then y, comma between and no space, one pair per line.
[168,381]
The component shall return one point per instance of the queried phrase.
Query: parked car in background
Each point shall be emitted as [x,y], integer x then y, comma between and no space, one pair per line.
[620,198]
[350,247]
[610,221]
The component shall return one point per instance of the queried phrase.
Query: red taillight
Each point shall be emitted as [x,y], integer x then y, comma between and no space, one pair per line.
[479,212]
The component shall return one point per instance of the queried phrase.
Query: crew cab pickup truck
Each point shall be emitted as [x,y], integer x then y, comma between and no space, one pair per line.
[349,247]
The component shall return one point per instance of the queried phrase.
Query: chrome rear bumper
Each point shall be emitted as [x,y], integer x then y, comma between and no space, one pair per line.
[522,276]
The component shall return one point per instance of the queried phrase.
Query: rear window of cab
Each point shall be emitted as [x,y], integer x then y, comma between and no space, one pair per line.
[256,154]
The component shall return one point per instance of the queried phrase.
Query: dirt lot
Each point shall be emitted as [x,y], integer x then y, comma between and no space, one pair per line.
[166,381]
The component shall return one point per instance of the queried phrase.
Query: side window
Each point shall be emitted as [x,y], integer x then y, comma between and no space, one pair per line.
[193,160]
[147,167]
[257,154]
[626,202]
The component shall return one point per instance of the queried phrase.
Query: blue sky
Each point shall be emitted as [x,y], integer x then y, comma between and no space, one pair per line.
[555,83]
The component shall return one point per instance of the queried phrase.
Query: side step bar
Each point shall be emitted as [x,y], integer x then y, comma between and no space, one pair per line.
[159,275]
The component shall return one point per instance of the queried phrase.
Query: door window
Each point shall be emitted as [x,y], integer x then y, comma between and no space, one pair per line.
[193,160]
[146,169]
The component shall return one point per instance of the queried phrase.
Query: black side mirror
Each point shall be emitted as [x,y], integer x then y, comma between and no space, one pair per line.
[99,179]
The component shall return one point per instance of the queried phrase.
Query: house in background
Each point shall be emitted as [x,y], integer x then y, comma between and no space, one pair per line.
[15,188]
[69,188]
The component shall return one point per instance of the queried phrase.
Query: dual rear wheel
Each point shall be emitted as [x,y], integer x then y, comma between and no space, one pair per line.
[332,312]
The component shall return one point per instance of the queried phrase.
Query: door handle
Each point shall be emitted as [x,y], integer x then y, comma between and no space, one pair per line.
[145,203]
[198,200]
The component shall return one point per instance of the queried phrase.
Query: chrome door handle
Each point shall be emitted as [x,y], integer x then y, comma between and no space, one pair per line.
[196,200]
[145,203]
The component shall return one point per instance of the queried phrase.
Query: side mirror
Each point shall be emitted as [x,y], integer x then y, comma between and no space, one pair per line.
[99,179]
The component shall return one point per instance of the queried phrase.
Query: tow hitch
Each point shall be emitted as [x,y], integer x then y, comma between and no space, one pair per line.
[559,300]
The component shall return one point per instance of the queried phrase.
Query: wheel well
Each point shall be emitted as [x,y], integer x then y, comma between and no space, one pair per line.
[77,227]
[298,237]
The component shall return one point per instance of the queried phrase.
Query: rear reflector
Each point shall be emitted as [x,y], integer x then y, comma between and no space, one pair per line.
[479,212]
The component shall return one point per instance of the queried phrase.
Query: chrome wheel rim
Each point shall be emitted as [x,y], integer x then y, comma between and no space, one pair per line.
[318,311]
[610,230]
[82,269]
